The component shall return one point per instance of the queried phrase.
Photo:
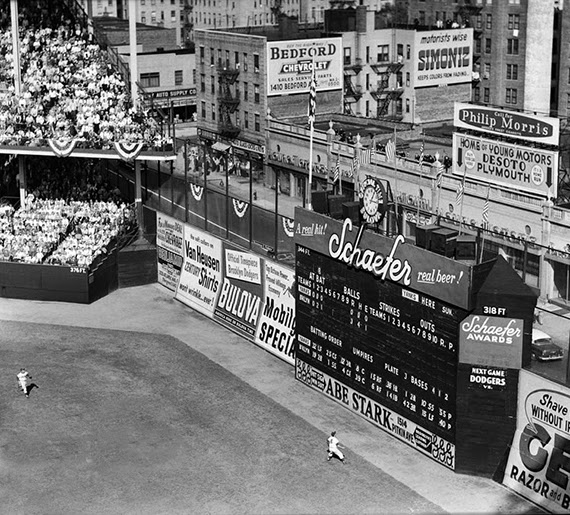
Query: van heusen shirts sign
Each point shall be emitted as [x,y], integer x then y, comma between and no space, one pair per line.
[524,126]
[516,166]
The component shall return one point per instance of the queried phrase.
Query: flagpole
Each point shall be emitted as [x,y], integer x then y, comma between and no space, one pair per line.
[396,183]
[421,163]
[312,114]
[462,198]
[438,182]
[357,153]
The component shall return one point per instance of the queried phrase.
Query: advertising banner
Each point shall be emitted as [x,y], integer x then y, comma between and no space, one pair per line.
[396,424]
[494,162]
[276,329]
[289,65]
[169,251]
[529,127]
[538,467]
[492,341]
[443,57]
[201,275]
[385,258]
[241,293]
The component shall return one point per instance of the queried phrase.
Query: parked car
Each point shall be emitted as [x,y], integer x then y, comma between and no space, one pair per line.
[543,348]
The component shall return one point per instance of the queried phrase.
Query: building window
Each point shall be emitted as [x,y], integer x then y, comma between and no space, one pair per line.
[212,57]
[512,71]
[202,83]
[367,54]
[178,77]
[511,97]
[487,70]
[256,93]
[172,15]
[257,123]
[236,57]
[487,45]
[153,16]
[476,94]
[407,79]
[244,61]
[408,52]
[203,110]
[479,22]
[422,16]
[383,54]
[202,54]
[245,92]
[227,65]
[212,84]
[514,2]
[513,46]
[256,63]
[478,46]
[347,56]
[143,16]
[489,24]
[400,52]
[514,21]
[486,94]
[150,80]
[213,112]
[246,120]
[407,105]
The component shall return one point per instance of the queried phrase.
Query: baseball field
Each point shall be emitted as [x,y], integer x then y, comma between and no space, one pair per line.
[135,423]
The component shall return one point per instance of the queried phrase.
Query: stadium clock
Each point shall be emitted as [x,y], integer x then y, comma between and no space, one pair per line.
[372,195]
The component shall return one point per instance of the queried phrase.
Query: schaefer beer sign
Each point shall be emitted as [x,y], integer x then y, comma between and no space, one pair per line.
[523,126]
[538,467]
[290,63]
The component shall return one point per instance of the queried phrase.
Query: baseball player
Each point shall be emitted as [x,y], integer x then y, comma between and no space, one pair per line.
[23,379]
[334,447]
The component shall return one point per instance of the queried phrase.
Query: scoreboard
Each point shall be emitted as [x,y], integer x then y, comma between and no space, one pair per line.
[385,350]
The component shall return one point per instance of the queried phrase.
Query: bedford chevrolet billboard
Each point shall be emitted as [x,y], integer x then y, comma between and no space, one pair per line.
[290,63]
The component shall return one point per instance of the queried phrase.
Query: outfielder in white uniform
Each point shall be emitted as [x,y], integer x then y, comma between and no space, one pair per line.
[334,447]
[23,378]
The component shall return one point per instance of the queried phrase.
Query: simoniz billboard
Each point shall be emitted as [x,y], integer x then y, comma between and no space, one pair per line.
[443,57]
[289,65]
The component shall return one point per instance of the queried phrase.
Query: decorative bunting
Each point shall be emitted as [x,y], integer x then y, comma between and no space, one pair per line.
[128,151]
[288,226]
[485,212]
[62,148]
[240,207]
[197,191]
[390,150]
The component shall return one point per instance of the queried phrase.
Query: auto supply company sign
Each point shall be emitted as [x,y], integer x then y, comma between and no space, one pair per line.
[290,63]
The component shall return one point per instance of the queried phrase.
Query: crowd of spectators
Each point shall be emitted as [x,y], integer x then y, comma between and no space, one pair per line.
[59,232]
[70,217]
[69,90]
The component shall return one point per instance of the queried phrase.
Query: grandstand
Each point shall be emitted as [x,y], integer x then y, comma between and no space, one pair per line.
[65,105]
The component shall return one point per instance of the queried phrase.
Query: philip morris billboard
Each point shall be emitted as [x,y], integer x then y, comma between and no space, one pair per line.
[541,129]
[443,57]
[289,65]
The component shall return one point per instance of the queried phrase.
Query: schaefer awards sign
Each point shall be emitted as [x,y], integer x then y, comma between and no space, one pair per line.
[289,65]
[540,129]
[443,57]
[538,467]
[525,168]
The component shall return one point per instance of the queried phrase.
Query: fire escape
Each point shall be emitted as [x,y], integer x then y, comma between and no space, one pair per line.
[352,92]
[384,94]
[188,25]
[228,102]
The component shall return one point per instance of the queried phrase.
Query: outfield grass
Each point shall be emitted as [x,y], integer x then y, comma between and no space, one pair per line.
[127,422]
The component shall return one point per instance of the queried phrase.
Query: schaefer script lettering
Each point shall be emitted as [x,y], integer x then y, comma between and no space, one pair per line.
[384,267]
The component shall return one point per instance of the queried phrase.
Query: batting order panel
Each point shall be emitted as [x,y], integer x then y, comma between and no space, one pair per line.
[385,351]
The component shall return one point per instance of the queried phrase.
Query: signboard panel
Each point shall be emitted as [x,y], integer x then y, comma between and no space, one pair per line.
[538,467]
[516,166]
[169,249]
[529,127]
[201,275]
[289,65]
[492,341]
[386,258]
[276,328]
[443,57]
[393,351]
